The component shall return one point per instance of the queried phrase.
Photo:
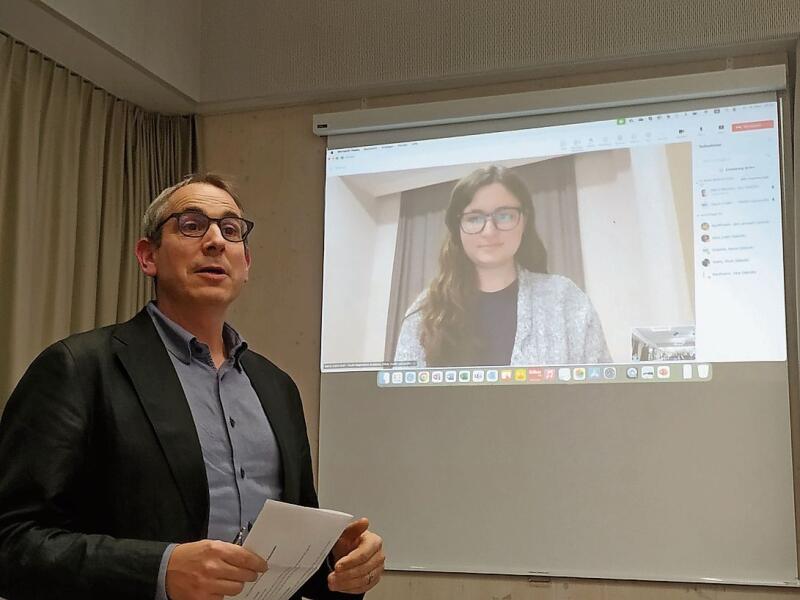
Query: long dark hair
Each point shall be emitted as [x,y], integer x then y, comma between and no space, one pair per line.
[446,335]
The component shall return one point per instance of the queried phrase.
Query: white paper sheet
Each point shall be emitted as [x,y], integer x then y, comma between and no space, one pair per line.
[294,540]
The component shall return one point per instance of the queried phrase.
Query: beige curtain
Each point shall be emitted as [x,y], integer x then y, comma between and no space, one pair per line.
[77,169]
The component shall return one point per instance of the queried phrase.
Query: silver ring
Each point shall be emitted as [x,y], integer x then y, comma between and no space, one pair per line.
[369,577]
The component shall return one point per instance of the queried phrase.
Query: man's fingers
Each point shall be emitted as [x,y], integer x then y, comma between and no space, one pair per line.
[360,570]
[368,545]
[242,558]
[350,538]
[210,569]
[365,568]
[225,587]
[361,574]
[357,583]
[356,528]
[232,573]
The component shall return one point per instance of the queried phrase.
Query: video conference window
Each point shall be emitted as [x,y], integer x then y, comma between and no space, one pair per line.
[652,239]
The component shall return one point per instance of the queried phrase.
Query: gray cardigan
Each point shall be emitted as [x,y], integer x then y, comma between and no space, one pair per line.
[556,324]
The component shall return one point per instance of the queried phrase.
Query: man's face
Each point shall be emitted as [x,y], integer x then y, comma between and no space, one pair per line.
[202,271]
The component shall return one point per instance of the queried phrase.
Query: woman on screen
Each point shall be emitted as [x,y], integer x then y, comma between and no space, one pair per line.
[493,302]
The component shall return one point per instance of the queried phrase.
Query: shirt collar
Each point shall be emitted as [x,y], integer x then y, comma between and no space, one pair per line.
[179,342]
[234,344]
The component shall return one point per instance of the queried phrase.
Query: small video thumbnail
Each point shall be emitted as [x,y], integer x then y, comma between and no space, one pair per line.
[663,343]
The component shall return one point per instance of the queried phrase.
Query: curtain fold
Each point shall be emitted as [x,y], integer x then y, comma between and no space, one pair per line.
[421,230]
[77,169]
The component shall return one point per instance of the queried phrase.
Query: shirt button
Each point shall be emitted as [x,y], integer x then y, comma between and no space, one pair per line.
[232,422]
[241,471]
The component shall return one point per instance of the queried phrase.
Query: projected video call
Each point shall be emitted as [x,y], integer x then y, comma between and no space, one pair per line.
[626,242]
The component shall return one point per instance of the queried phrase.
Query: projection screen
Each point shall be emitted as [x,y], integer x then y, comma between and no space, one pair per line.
[621,409]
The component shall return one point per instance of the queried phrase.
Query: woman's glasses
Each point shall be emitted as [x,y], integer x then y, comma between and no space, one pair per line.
[504,218]
[195,224]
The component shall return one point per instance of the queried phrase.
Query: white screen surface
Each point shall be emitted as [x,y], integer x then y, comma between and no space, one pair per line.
[690,481]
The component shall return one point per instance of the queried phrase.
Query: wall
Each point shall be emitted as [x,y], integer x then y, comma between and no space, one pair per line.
[352,277]
[257,52]
[361,238]
[388,211]
[280,164]
[680,169]
[633,259]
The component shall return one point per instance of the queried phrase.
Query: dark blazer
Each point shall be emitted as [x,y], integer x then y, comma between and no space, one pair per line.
[101,466]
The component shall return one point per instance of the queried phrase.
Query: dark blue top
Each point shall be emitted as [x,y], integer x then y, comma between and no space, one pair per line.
[495,315]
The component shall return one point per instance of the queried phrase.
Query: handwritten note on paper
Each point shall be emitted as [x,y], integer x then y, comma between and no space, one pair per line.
[294,540]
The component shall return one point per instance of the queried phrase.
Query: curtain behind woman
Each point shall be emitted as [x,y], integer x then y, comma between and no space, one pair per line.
[77,169]
[420,232]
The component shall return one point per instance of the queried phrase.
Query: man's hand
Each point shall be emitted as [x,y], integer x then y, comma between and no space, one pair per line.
[359,559]
[210,569]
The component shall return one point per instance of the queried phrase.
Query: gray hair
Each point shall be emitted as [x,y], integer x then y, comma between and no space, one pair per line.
[156,212]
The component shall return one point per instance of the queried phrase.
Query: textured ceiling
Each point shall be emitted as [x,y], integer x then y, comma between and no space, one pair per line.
[254,49]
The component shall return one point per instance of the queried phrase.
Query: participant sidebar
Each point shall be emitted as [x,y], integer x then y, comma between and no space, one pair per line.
[738,241]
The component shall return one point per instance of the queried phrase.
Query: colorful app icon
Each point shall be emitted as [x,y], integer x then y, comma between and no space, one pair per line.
[463,376]
[648,372]
[632,373]
[703,371]
[564,374]
[492,375]
[610,373]
[663,372]
[579,373]
[595,373]
[437,376]
[687,371]
[411,377]
[478,375]
[535,374]
[549,374]
[506,375]
[424,377]
[384,378]
[397,377]
[520,375]
[450,376]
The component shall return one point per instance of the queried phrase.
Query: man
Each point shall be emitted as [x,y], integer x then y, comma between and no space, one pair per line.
[133,455]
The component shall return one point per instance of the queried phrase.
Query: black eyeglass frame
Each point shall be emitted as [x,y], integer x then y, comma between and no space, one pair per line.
[209,220]
[519,210]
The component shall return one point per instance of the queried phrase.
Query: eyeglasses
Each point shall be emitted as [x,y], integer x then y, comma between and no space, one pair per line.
[504,218]
[195,224]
